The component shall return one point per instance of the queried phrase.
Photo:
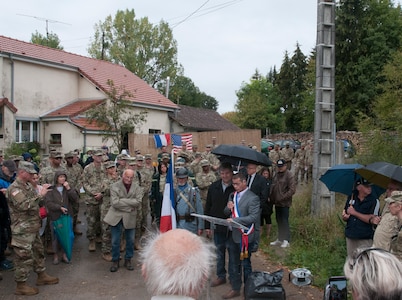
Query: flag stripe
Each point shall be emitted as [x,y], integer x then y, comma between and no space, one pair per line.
[168,213]
[161,140]
[179,139]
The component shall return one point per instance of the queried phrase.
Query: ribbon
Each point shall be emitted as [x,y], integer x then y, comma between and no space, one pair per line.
[245,233]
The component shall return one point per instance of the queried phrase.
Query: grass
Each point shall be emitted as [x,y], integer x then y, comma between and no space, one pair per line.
[317,244]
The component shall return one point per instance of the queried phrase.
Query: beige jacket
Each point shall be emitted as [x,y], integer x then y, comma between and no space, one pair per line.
[124,205]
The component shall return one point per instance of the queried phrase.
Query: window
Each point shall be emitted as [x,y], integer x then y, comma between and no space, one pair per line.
[26,131]
[55,139]
[155,131]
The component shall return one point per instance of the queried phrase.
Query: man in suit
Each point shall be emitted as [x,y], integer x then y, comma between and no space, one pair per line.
[217,199]
[125,200]
[244,208]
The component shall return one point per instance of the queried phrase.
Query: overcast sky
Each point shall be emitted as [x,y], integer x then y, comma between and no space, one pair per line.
[220,42]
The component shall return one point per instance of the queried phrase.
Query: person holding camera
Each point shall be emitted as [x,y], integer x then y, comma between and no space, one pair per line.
[188,201]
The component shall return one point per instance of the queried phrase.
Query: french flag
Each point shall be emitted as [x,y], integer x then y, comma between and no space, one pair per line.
[168,213]
[162,140]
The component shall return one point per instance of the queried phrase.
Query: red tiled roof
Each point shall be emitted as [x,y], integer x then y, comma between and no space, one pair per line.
[6,102]
[84,123]
[97,71]
[73,109]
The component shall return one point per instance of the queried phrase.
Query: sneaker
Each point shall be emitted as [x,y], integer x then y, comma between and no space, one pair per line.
[276,243]
[285,244]
[6,265]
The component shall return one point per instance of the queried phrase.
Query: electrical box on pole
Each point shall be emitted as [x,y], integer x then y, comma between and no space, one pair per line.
[324,121]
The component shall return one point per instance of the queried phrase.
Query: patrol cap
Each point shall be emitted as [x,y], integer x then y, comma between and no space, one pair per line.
[69,155]
[197,154]
[14,157]
[204,162]
[131,161]
[27,167]
[361,181]
[56,154]
[184,155]
[121,156]
[180,160]
[10,165]
[165,155]
[148,156]
[396,197]
[109,164]
[98,153]
[280,162]
[208,146]
[182,173]
[179,164]
[139,157]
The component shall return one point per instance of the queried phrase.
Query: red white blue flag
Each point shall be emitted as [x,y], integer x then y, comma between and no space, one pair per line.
[168,213]
[178,140]
[162,140]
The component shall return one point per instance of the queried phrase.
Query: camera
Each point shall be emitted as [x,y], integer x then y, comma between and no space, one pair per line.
[336,288]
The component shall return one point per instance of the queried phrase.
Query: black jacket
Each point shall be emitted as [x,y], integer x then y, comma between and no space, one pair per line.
[216,203]
[260,188]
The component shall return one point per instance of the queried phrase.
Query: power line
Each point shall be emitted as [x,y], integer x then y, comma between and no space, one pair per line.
[46,20]
[189,16]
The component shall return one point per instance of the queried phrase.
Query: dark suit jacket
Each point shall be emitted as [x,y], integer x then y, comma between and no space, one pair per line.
[216,203]
[260,188]
[249,208]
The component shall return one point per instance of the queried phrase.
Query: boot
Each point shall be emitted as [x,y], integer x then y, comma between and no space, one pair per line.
[128,265]
[76,231]
[92,246]
[115,266]
[44,278]
[49,248]
[107,256]
[24,289]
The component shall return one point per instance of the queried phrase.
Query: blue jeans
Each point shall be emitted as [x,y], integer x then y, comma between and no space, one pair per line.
[234,263]
[220,239]
[282,218]
[116,236]
[247,269]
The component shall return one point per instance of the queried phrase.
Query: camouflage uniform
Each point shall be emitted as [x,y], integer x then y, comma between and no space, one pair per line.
[309,163]
[213,160]
[74,175]
[287,154]
[204,180]
[195,166]
[144,212]
[396,245]
[106,234]
[93,178]
[300,160]
[25,224]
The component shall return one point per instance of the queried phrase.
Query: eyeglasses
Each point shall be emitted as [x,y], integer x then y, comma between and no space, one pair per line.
[364,253]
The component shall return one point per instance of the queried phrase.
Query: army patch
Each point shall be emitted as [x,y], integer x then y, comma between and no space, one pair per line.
[14,193]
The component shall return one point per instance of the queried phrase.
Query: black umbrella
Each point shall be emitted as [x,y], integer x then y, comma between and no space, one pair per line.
[238,154]
[381,173]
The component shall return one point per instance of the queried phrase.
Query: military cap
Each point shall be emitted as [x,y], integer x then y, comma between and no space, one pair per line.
[208,146]
[56,154]
[139,157]
[204,162]
[132,161]
[198,154]
[121,156]
[69,155]
[179,164]
[98,153]
[182,173]
[396,196]
[27,167]
[165,155]
[184,155]
[148,156]
[109,164]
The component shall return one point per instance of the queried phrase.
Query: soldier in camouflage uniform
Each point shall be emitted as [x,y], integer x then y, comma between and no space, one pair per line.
[395,207]
[74,175]
[213,160]
[121,163]
[93,177]
[111,177]
[143,213]
[287,154]
[46,175]
[25,224]
[300,160]
[188,155]
[309,162]
[204,180]
[195,166]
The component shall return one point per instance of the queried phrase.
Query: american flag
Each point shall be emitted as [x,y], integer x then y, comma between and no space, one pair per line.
[179,139]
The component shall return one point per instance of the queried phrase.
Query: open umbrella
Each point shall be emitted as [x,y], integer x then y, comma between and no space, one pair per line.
[238,154]
[341,179]
[63,229]
[381,173]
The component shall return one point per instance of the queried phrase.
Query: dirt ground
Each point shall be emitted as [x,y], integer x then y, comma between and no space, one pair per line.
[88,277]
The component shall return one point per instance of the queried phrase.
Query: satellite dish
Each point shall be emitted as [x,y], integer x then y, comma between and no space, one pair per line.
[300,277]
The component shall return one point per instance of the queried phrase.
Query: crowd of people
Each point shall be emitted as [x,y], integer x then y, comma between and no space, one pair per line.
[123,197]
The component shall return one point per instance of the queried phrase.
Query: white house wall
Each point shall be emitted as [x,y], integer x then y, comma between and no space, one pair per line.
[157,120]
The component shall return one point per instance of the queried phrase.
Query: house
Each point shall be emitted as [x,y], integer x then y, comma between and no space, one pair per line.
[45,93]
[196,119]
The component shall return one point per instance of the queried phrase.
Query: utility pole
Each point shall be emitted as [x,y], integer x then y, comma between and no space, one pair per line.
[324,121]
[46,20]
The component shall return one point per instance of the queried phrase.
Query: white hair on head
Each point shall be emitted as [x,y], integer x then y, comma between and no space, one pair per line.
[177,262]
[375,274]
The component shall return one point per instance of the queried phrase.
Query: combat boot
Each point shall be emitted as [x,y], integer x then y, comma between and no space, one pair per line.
[76,231]
[92,246]
[44,278]
[24,289]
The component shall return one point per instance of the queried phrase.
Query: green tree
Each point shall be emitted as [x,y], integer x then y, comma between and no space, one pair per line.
[307,106]
[116,116]
[368,32]
[258,106]
[231,116]
[184,91]
[147,50]
[51,40]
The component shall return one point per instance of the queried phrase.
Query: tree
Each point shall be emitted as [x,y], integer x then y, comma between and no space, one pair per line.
[307,106]
[258,106]
[116,116]
[147,50]
[231,116]
[51,40]
[184,91]
[368,32]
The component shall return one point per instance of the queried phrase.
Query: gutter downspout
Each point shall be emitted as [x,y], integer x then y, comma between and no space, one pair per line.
[12,78]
